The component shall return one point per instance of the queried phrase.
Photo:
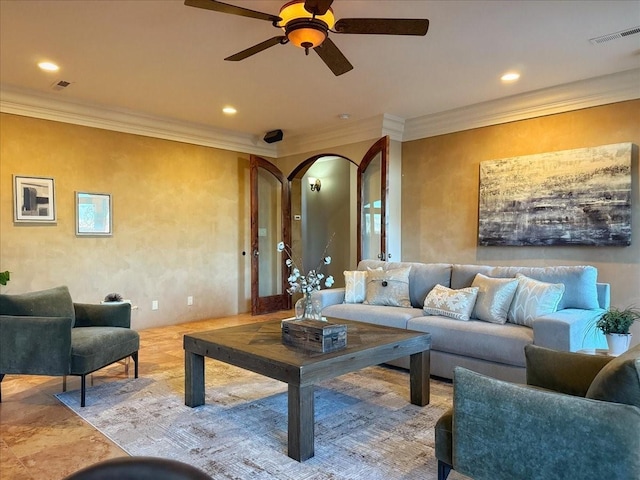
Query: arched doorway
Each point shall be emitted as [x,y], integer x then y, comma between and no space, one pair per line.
[307,219]
[325,217]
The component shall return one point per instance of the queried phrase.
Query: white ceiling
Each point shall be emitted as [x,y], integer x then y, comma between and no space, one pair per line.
[164,59]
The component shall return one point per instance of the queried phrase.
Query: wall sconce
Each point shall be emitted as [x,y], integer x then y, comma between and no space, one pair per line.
[314,184]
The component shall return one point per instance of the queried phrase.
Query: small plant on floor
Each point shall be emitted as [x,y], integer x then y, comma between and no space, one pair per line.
[617,321]
[4,277]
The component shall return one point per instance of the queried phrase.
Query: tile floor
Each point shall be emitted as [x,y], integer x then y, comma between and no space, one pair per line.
[42,439]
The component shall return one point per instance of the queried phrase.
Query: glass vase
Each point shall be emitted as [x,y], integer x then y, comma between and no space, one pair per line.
[308,308]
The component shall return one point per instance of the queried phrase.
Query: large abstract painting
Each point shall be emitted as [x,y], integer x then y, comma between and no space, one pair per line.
[571,197]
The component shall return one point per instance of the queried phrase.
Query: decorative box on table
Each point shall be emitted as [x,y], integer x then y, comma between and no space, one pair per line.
[314,335]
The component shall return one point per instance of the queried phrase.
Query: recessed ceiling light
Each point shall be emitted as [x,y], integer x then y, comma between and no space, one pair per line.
[48,66]
[229,110]
[510,77]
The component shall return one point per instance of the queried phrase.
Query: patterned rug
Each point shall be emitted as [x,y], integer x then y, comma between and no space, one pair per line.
[365,427]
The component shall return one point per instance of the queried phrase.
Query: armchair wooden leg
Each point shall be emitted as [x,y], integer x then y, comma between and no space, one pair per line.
[64,383]
[443,470]
[83,389]
[135,364]
[1,377]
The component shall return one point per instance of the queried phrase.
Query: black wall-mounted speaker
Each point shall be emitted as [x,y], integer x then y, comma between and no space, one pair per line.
[273,136]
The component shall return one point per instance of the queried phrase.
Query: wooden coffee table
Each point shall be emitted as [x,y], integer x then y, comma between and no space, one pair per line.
[258,347]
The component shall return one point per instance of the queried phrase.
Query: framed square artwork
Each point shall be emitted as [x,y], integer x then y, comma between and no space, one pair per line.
[93,214]
[34,199]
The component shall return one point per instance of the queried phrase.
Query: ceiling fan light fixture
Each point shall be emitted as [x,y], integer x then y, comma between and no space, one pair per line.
[305,34]
[302,28]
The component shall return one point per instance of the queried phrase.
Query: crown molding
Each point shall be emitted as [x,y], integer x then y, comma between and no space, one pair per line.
[592,92]
[32,104]
[393,126]
[322,138]
[617,87]
[345,134]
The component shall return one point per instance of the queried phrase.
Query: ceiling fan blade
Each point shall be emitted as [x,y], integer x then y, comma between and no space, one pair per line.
[333,57]
[317,7]
[256,49]
[232,9]
[383,26]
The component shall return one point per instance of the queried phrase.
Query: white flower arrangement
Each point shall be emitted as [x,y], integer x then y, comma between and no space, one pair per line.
[305,283]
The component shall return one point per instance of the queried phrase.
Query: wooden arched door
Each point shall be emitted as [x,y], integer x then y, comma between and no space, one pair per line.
[373,189]
[270,224]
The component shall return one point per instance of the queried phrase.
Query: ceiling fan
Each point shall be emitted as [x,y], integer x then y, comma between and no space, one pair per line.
[307,23]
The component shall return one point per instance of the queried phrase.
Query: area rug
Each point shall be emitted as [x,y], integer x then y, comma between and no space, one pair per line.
[365,427]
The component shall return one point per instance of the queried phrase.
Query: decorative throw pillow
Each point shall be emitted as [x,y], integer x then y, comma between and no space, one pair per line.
[580,290]
[355,282]
[619,380]
[494,298]
[445,301]
[388,287]
[533,299]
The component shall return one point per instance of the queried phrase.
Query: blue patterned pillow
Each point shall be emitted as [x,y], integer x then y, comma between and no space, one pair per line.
[533,299]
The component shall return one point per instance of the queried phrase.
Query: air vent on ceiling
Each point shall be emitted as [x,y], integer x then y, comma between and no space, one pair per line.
[614,36]
[60,85]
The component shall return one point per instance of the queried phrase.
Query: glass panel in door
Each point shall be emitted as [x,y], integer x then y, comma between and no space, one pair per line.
[269,234]
[372,197]
[269,226]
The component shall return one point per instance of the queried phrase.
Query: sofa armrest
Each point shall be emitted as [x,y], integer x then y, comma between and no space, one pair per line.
[35,345]
[330,296]
[563,372]
[569,330]
[604,295]
[115,314]
[505,431]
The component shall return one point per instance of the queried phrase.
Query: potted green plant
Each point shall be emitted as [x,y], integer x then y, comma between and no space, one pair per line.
[615,324]
[4,277]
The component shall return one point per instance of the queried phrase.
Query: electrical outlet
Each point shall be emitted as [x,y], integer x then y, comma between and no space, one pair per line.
[154,305]
[189,300]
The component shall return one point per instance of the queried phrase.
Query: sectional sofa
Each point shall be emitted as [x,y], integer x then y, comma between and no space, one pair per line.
[553,307]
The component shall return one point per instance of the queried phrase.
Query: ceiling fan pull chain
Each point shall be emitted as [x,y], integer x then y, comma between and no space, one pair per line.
[307,46]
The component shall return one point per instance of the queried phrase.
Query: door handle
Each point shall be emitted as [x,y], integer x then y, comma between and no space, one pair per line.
[256,253]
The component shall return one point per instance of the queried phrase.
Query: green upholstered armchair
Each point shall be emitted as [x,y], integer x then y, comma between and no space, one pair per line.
[578,417]
[45,333]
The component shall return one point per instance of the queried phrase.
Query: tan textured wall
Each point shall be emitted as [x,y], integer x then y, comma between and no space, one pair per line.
[180,220]
[181,212]
[441,176]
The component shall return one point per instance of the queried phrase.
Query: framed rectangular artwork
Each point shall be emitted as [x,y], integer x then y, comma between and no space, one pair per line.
[93,214]
[571,197]
[34,200]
